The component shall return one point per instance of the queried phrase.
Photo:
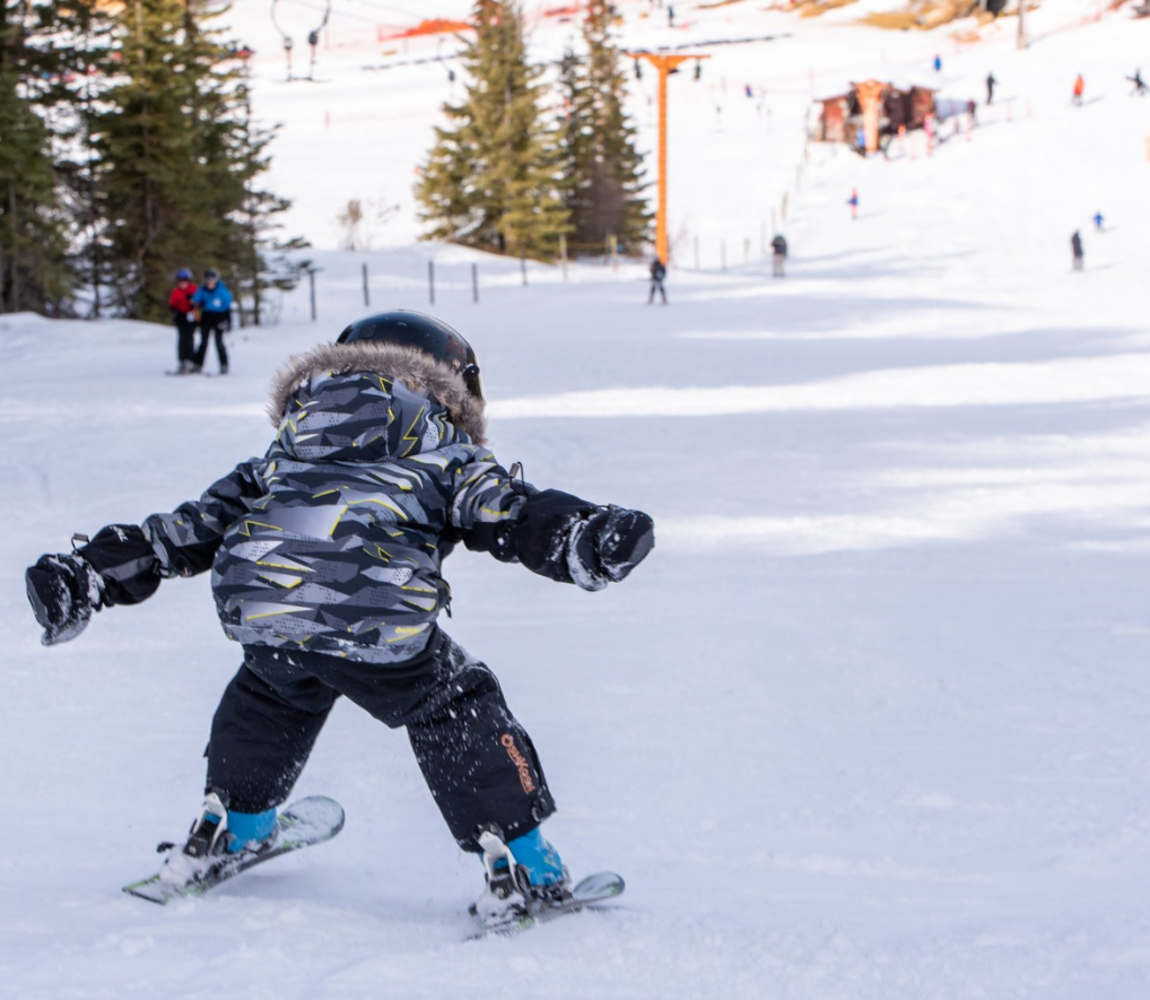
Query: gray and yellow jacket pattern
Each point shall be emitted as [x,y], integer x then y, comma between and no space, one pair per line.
[333,541]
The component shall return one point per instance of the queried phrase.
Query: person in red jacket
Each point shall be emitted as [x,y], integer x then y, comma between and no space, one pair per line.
[1079,88]
[184,316]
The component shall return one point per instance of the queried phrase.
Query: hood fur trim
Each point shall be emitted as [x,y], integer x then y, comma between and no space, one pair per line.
[418,371]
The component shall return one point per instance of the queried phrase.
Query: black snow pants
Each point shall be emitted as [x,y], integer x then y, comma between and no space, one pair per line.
[477,760]
[216,323]
[185,339]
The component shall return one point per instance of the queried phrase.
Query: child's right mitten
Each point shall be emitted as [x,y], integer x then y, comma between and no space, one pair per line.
[560,536]
[606,546]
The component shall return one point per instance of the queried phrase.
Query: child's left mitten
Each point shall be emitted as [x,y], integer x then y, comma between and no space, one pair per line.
[117,566]
[63,590]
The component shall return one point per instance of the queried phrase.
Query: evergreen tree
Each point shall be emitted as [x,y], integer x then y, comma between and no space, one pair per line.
[492,179]
[147,171]
[178,155]
[602,169]
[34,270]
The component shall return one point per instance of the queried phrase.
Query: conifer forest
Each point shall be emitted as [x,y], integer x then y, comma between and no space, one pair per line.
[129,150]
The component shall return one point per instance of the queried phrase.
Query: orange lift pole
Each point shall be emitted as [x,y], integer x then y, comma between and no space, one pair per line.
[664,64]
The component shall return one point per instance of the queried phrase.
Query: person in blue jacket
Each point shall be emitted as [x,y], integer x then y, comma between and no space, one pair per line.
[214,302]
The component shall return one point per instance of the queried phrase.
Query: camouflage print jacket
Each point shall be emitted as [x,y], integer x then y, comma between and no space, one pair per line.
[333,540]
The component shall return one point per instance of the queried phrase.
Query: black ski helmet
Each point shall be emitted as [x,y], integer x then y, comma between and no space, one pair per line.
[424,333]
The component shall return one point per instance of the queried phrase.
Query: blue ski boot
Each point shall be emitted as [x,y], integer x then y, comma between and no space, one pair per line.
[217,838]
[524,876]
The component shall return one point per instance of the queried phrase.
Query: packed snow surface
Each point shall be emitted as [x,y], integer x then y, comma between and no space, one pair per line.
[871,722]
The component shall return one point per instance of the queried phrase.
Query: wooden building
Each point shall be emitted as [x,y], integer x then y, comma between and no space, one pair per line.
[840,118]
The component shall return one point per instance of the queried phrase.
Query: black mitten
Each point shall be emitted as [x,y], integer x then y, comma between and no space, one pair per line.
[63,590]
[606,546]
[539,538]
[567,539]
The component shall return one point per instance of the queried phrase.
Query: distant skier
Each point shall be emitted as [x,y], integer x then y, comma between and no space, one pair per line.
[215,304]
[325,558]
[1079,89]
[658,273]
[853,201]
[1139,83]
[779,255]
[1098,220]
[938,64]
[1076,250]
[990,82]
[670,16]
[183,312]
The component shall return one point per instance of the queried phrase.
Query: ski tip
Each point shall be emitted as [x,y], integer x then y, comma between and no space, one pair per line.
[316,811]
[600,886]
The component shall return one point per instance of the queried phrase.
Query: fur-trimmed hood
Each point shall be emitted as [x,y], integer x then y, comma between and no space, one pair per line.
[418,371]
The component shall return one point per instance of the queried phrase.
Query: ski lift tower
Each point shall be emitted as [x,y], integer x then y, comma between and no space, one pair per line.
[665,64]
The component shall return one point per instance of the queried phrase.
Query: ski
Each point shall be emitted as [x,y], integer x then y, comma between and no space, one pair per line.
[302,824]
[594,890]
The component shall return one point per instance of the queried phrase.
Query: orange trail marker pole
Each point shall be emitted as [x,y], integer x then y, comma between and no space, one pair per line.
[664,64]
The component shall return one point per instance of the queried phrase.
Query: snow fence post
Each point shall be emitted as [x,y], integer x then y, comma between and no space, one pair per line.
[311,291]
[474,282]
[366,296]
[431,281]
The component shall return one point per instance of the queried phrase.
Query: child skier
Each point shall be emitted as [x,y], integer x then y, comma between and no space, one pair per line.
[325,557]
[182,308]
[214,301]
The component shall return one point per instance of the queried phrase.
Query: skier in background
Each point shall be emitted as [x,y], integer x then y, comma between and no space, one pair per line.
[325,557]
[853,201]
[779,255]
[1139,83]
[1079,89]
[1098,220]
[990,82]
[1076,250]
[181,307]
[215,304]
[658,273]
[938,64]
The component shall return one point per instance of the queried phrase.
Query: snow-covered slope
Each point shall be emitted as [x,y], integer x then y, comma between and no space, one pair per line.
[871,721]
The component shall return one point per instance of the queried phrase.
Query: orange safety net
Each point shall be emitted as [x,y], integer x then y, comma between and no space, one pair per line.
[433,26]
